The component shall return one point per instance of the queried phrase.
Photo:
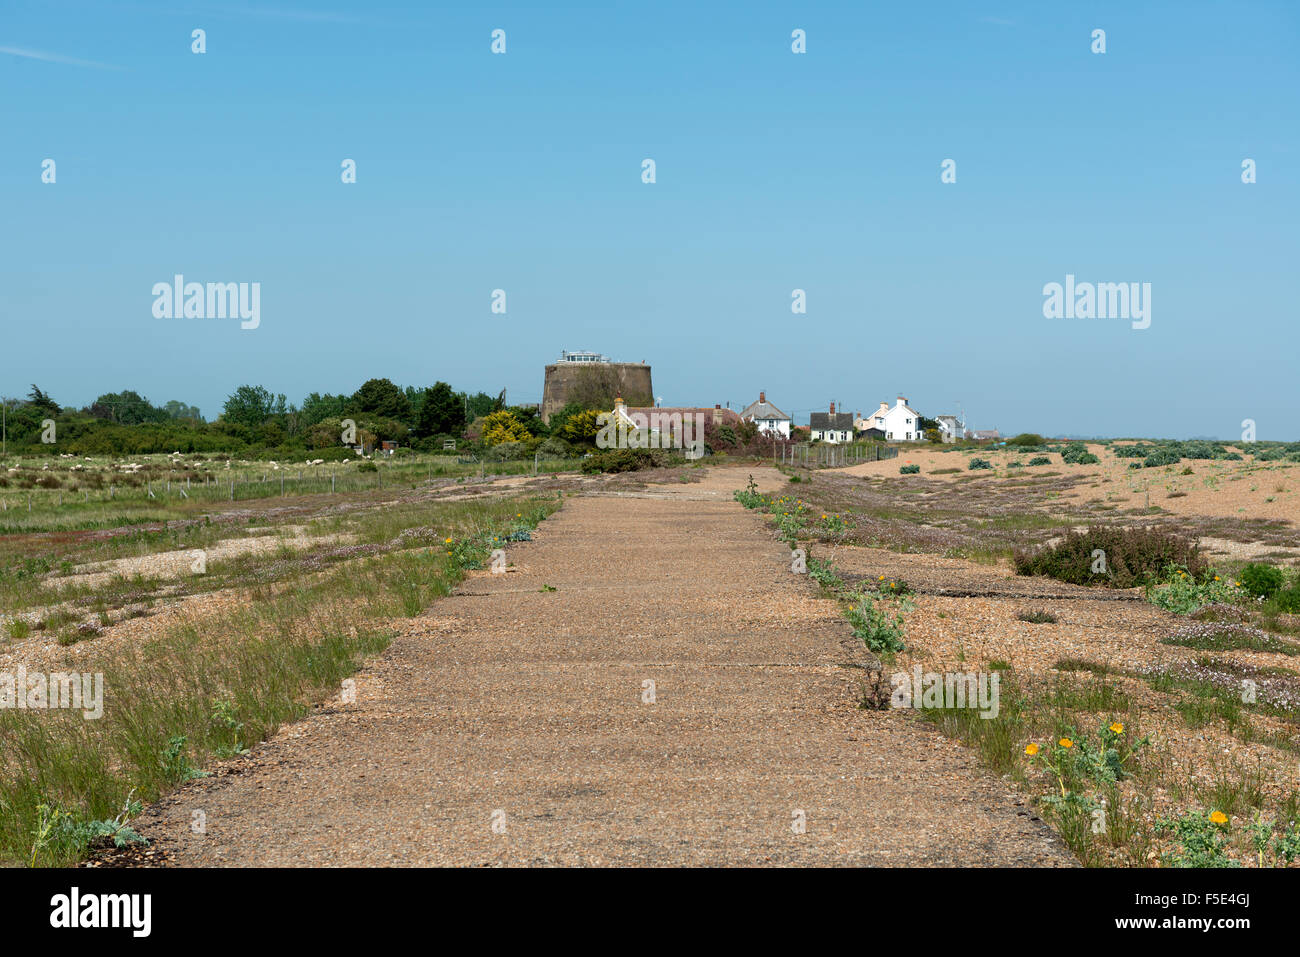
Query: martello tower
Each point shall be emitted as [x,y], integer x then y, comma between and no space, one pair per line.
[632,379]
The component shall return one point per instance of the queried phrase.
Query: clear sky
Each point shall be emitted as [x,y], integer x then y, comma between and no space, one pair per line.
[775,171]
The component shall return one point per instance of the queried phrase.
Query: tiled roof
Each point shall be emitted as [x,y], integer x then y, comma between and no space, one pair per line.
[827,421]
[724,415]
[763,410]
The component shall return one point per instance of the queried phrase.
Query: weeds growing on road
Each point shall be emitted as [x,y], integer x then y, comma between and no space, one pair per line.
[214,687]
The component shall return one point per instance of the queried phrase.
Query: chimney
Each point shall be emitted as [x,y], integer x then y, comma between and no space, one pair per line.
[762,396]
[717,405]
[902,401]
[832,408]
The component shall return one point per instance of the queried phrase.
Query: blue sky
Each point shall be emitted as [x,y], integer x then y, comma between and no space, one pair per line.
[775,171]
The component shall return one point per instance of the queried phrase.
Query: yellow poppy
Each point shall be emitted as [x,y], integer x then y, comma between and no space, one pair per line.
[1031,749]
[1066,743]
[1218,817]
[1117,728]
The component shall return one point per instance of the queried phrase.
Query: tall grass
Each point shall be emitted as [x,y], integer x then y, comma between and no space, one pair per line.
[210,688]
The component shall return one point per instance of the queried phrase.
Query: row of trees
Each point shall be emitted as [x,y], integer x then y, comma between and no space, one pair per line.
[256,422]
[253,419]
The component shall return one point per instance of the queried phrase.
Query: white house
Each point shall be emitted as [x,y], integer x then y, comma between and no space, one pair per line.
[899,422]
[950,428]
[767,417]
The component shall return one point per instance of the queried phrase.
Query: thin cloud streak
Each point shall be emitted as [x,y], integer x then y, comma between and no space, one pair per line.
[55,58]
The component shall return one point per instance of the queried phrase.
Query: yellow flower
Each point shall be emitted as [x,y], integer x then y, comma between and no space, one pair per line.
[1216,578]
[1218,817]
[1117,728]
[1031,749]
[446,541]
[881,578]
[1065,743]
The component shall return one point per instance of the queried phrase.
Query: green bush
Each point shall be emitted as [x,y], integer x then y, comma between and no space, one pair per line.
[1260,580]
[978,464]
[1040,460]
[1132,556]
[619,460]
[1026,438]
[1182,593]
[1159,457]
[1078,455]
[1131,451]
[909,470]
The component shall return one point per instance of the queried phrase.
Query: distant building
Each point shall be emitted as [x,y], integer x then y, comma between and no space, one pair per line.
[631,379]
[767,417]
[950,429]
[899,422]
[984,435]
[831,426]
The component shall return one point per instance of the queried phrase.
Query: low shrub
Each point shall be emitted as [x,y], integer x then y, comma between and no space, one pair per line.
[1260,580]
[1040,460]
[1037,617]
[1181,592]
[909,469]
[879,632]
[1162,456]
[1129,556]
[1131,451]
[619,460]
[979,464]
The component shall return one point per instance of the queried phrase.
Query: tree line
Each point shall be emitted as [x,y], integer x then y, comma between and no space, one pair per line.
[252,419]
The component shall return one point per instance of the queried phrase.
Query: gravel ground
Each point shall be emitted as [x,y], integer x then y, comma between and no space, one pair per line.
[177,563]
[1223,489]
[512,705]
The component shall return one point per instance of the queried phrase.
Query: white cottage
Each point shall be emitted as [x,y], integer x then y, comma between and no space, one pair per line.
[899,422]
[767,417]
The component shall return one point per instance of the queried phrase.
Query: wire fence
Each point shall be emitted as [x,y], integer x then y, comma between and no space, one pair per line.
[828,455]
